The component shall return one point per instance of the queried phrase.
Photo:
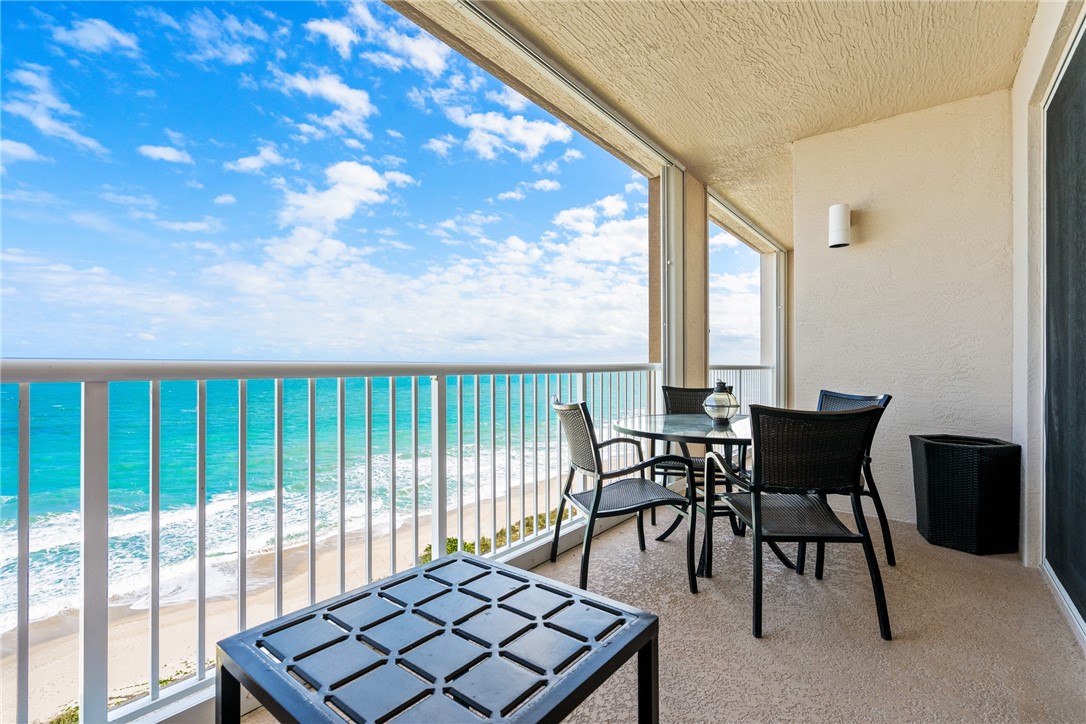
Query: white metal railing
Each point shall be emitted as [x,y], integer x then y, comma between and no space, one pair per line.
[751,384]
[480,441]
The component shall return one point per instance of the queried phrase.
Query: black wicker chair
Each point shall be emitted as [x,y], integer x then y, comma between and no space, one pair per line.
[625,493]
[829,401]
[679,401]
[684,401]
[799,458]
[688,401]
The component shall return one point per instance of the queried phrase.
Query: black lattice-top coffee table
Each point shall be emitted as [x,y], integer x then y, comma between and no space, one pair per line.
[461,639]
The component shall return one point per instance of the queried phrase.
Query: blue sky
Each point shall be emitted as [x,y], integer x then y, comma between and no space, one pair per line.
[310,181]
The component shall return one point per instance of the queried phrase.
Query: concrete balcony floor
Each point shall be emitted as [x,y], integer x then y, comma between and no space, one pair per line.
[975,638]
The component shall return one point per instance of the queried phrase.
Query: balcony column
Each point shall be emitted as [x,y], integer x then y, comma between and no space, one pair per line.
[679,304]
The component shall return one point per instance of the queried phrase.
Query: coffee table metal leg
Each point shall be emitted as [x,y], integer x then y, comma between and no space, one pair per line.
[648,683]
[227,697]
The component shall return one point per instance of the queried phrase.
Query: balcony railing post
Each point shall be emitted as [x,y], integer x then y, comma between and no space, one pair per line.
[154,498]
[438,489]
[279,578]
[311,399]
[94,558]
[341,480]
[243,499]
[201,529]
[392,499]
[22,574]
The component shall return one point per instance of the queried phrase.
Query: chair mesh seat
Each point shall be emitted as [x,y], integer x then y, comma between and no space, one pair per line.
[628,495]
[793,516]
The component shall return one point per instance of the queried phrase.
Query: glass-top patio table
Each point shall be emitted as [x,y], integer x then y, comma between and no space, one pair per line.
[694,429]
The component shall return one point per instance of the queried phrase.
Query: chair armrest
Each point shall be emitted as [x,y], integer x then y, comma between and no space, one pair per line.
[625,440]
[683,461]
[715,461]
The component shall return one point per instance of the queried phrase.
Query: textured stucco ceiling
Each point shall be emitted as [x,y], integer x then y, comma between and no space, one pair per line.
[726,87]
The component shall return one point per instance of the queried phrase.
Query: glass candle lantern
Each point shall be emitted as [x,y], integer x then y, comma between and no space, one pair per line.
[721,405]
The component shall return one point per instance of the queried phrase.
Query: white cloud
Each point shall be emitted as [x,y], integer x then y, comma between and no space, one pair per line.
[128,199]
[492,133]
[92,220]
[553,166]
[208,224]
[743,283]
[580,219]
[384,60]
[421,51]
[354,143]
[735,316]
[418,99]
[614,241]
[160,17]
[722,239]
[518,193]
[309,132]
[97,36]
[362,18]
[12,151]
[613,205]
[225,39]
[39,103]
[398,178]
[305,246]
[440,146]
[353,104]
[471,224]
[267,155]
[225,199]
[583,219]
[393,133]
[350,185]
[166,153]
[23,196]
[339,35]
[176,138]
[509,98]
[396,244]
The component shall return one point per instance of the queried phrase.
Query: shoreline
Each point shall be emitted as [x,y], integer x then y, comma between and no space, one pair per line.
[54,642]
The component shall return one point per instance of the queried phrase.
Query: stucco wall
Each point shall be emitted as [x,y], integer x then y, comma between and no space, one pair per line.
[920,305]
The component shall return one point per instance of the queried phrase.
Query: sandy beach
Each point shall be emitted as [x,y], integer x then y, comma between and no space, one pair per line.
[54,643]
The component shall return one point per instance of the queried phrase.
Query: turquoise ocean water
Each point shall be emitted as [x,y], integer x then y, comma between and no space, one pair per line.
[55,474]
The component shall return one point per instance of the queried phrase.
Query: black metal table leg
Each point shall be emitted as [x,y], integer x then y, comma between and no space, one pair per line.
[648,682]
[227,697]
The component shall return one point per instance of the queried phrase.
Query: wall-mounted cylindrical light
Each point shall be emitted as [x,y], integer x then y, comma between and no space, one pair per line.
[840,224]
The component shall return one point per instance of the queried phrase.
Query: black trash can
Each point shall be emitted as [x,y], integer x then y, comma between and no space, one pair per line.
[967,492]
